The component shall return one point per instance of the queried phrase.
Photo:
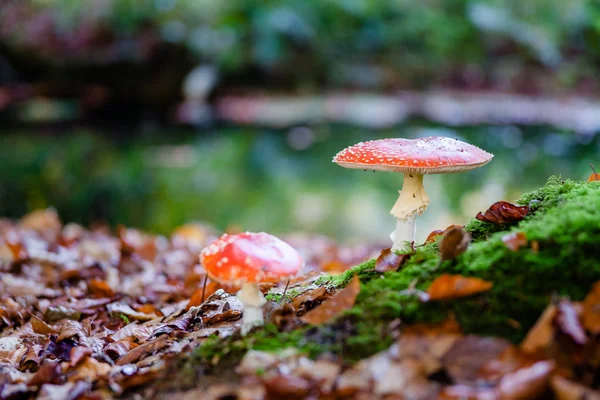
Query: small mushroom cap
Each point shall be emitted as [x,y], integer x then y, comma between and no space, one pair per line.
[429,155]
[250,258]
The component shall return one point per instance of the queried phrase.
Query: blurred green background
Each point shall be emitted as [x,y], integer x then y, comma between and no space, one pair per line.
[109,109]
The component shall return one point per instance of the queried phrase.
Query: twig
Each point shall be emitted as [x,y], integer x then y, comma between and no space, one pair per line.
[204,288]
[284,292]
[595,173]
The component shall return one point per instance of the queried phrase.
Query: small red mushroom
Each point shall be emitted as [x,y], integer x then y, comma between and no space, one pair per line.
[246,259]
[414,158]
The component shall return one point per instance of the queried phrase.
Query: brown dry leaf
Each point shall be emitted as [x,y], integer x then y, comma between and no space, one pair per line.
[100,288]
[340,302]
[594,177]
[287,387]
[428,350]
[390,261]
[591,309]
[526,383]
[567,320]
[541,335]
[469,355]
[122,308]
[439,232]
[70,329]
[47,373]
[78,354]
[334,267]
[453,243]
[510,360]
[565,389]
[133,330]
[464,392]
[447,326]
[90,369]
[503,212]
[43,221]
[448,286]
[41,327]
[32,359]
[117,349]
[515,240]
[197,299]
[144,350]
[309,298]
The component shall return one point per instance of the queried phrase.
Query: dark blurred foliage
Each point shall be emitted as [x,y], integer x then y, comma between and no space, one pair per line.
[141,49]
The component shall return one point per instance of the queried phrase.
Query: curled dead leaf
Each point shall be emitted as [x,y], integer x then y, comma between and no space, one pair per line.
[515,240]
[453,243]
[448,286]
[340,302]
[541,335]
[526,383]
[432,237]
[567,320]
[565,389]
[503,212]
[591,309]
[390,261]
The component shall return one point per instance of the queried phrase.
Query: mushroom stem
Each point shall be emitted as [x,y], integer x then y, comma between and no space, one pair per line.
[253,300]
[406,230]
[413,200]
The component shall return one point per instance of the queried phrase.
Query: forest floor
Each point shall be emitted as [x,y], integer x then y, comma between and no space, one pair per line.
[503,307]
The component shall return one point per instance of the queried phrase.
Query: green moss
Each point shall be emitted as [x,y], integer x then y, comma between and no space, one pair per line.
[565,222]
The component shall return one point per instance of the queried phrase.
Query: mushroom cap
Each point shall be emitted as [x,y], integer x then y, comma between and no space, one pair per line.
[428,155]
[250,258]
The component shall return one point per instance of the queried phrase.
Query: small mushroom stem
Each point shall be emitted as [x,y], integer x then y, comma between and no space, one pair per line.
[406,230]
[413,201]
[253,300]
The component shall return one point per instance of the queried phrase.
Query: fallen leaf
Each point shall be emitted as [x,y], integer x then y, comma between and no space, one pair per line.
[594,177]
[308,299]
[509,361]
[453,243]
[144,350]
[541,335]
[448,286]
[47,373]
[45,222]
[526,383]
[287,387]
[334,267]
[503,212]
[465,392]
[70,329]
[197,299]
[591,309]
[78,354]
[124,309]
[461,364]
[41,327]
[388,260]
[432,237]
[100,288]
[90,369]
[567,319]
[565,389]
[515,240]
[340,302]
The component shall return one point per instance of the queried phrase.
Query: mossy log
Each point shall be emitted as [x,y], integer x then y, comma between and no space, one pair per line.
[565,261]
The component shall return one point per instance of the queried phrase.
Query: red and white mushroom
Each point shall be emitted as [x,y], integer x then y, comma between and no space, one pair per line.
[414,158]
[247,259]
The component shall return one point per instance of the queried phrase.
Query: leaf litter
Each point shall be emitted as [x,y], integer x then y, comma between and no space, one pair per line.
[85,314]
